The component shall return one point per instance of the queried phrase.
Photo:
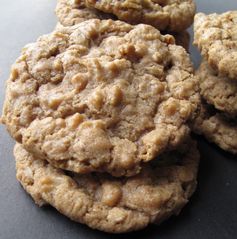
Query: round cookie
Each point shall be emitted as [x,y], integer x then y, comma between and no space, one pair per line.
[170,15]
[71,12]
[112,204]
[216,37]
[101,96]
[217,128]
[218,90]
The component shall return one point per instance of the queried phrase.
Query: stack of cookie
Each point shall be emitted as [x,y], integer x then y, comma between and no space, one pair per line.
[101,109]
[215,36]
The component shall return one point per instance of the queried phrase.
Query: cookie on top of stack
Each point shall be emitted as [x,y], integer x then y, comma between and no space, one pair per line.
[215,36]
[100,110]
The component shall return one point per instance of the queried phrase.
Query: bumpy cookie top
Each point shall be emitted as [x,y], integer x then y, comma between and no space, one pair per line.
[217,128]
[171,15]
[112,204]
[101,96]
[218,90]
[216,37]
[71,12]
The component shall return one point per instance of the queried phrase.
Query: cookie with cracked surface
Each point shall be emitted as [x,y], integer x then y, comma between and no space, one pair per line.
[170,15]
[71,12]
[216,37]
[101,96]
[112,204]
[217,128]
[218,90]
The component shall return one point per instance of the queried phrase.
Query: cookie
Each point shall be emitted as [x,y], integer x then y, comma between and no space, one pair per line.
[71,12]
[218,90]
[112,204]
[101,96]
[170,15]
[215,36]
[217,128]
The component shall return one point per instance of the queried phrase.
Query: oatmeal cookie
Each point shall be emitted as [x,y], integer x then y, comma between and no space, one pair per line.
[112,204]
[216,37]
[217,128]
[170,15]
[101,96]
[218,90]
[71,12]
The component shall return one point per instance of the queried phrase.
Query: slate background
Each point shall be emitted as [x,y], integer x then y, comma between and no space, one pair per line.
[212,212]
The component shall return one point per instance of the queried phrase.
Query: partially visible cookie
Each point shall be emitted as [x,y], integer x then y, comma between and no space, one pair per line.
[218,90]
[217,128]
[110,204]
[71,12]
[101,96]
[170,15]
[216,37]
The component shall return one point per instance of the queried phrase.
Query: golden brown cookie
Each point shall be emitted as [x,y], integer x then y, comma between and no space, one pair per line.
[170,15]
[71,12]
[218,90]
[217,128]
[110,204]
[101,96]
[216,37]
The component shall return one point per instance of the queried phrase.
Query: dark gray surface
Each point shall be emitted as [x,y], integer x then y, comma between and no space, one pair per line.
[212,212]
